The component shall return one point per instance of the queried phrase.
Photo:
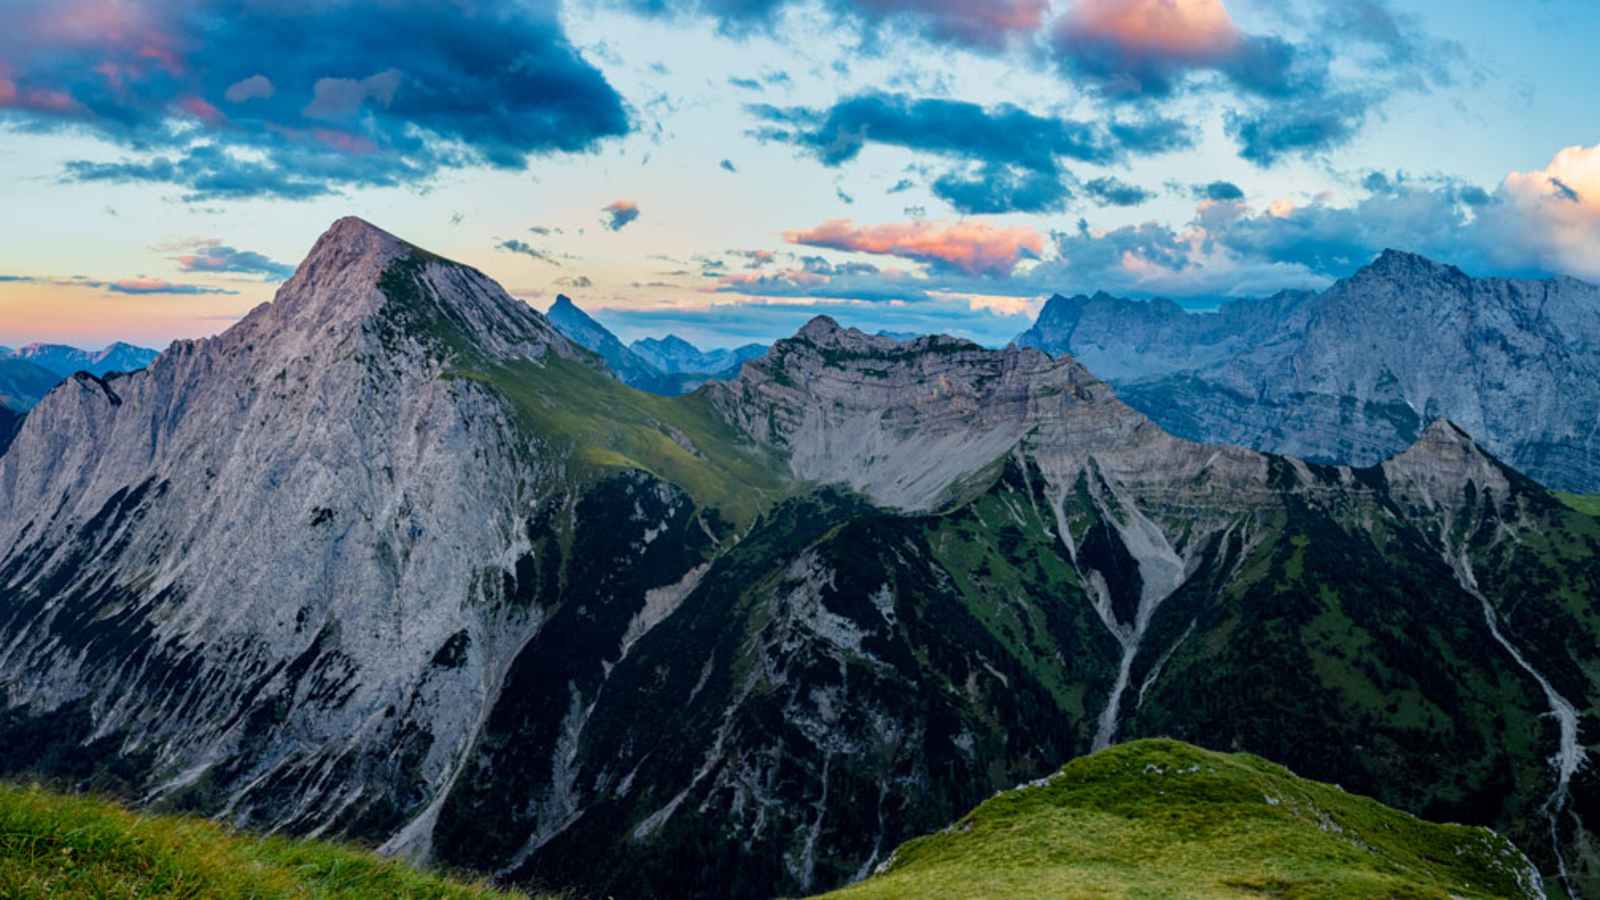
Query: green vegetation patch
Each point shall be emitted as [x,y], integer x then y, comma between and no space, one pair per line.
[1584,503]
[59,846]
[605,426]
[1161,818]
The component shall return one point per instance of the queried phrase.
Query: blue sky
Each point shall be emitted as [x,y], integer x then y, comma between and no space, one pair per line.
[724,169]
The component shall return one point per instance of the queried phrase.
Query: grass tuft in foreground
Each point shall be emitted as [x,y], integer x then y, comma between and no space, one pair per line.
[1165,819]
[59,846]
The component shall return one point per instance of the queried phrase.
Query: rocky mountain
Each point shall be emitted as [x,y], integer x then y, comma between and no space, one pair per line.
[1355,373]
[392,559]
[630,367]
[676,356]
[1159,818]
[1126,340]
[64,361]
[22,384]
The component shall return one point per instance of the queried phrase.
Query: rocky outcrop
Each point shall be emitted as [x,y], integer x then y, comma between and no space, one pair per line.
[1354,374]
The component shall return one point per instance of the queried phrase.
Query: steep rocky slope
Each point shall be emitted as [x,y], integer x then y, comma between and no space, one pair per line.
[1160,818]
[1354,374]
[393,559]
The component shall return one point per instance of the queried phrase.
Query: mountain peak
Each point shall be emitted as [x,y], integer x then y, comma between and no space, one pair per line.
[820,327]
[564,302]
[1402,264]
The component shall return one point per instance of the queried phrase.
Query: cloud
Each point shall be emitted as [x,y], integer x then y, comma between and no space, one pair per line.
[574,281]
[1218,190]
[1143,48]
[142,286]
[844,198]
[201,95]
[990,188]
[1111,191]
[986,27]
[970,247]
[1565,191]
[1303,126]
[904,184]
[1008,159]
[618,214]
[953,128]
[515,246]
[728,166]
[749,84]
[1290,98]
[213,256]
[256,87]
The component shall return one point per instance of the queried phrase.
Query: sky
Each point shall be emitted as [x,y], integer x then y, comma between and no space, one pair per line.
[726,169]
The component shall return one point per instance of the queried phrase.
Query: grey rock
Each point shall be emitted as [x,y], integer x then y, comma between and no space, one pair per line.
[1353,375]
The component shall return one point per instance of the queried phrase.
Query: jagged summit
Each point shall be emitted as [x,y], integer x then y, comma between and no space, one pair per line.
[1412,269]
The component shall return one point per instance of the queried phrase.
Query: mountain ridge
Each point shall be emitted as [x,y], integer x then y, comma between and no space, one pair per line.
[392,559]
[1353,373]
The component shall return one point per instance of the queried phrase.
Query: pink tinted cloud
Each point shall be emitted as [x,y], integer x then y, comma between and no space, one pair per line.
[201,109]
[970,246]
[344,141]
[1194,31]
[14,96]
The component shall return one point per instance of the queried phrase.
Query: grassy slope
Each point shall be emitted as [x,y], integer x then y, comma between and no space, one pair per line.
[58,846]
[1161,818]
[608,426]
[1586,503]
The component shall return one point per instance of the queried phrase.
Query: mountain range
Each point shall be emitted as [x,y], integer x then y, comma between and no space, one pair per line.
[669,366]
[64,360]
[395,559]
[1354,373]
[26,375]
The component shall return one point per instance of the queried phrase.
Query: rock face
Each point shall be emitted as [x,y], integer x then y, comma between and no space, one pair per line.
[64,361]
[1354,374]
[676,356]
[267,567]
[631,368]
[393,559]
